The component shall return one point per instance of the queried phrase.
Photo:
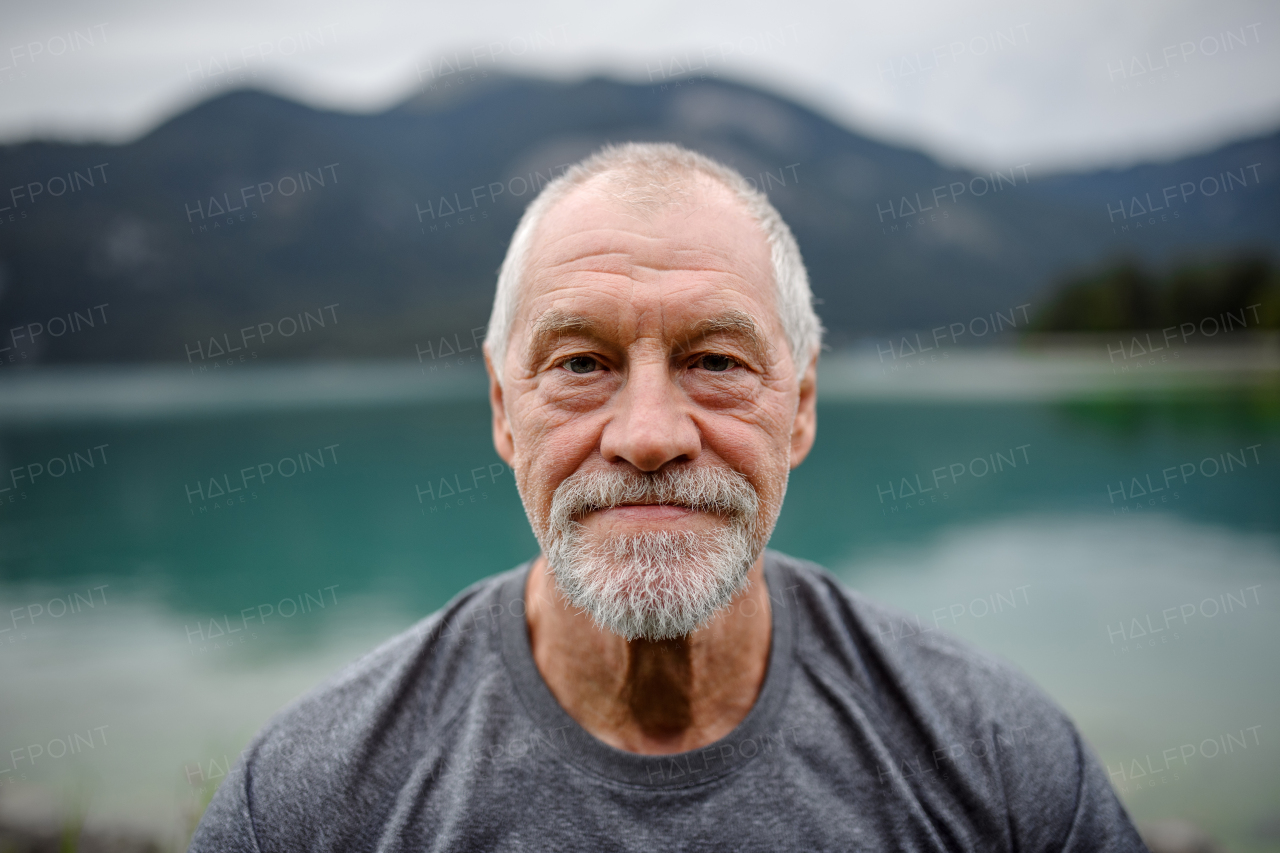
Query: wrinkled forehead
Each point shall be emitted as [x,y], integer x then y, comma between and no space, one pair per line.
[695,235]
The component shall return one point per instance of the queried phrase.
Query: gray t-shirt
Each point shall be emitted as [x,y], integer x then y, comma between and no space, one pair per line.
[867,735]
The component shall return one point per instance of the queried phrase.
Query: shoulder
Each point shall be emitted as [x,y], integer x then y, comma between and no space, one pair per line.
[950,717]
[882,650]
[357,735]
[434,658]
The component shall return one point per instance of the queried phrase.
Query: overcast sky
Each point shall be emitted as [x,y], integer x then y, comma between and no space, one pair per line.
[985,84]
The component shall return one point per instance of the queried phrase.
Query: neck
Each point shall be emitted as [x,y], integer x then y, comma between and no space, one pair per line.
[652,697]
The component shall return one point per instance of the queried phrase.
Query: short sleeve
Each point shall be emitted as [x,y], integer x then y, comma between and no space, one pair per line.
[227,826]
[1100,821]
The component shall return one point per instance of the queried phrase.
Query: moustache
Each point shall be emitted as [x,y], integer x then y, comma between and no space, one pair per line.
[718,490]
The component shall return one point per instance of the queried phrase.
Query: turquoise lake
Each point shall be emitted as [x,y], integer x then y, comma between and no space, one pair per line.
[157,606]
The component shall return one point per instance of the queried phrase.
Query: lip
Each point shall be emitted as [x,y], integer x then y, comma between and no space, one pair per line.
[644,512]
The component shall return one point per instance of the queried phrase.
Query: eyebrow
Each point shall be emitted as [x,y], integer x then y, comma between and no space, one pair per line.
[738,324]
[554,324]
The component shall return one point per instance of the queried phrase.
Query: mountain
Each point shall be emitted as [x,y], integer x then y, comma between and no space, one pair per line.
[251,210]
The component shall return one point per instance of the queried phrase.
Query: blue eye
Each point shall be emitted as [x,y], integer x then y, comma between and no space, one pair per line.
[581,364]
[716,363]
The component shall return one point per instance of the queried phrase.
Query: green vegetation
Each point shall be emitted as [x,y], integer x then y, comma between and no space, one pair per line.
[1226,411]
[1124,295]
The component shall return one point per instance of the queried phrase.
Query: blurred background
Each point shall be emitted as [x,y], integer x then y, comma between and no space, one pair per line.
[247,256]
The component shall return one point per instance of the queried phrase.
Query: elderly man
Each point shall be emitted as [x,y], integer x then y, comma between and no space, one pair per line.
[656,679]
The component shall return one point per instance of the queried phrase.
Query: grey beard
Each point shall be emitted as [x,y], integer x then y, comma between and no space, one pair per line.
[657,584]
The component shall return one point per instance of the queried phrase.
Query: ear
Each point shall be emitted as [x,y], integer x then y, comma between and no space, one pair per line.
[502,439]
[805,427]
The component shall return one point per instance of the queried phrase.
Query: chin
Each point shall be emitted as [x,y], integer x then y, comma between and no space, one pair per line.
[654,584]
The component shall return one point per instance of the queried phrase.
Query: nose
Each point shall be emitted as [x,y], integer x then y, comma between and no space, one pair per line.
[651,424]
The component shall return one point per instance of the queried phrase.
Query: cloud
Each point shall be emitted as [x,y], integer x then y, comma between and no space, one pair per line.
[1080,85]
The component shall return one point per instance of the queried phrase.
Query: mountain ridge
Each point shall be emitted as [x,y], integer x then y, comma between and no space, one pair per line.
[893,239]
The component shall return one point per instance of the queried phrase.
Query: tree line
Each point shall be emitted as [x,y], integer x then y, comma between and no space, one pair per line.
[1127,295]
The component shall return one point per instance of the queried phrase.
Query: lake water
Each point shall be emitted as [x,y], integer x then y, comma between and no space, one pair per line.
[172,572]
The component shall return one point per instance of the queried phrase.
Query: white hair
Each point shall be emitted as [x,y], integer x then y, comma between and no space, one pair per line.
[648,174]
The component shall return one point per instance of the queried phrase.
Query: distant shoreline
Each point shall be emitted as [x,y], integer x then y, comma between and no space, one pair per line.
[1029,369]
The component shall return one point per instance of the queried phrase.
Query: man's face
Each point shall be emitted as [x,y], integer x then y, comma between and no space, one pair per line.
[649,405]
